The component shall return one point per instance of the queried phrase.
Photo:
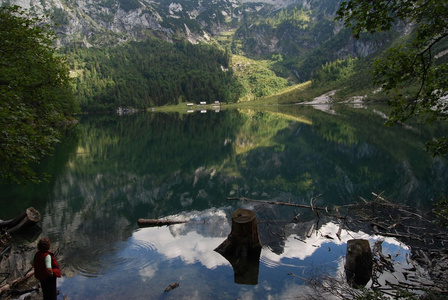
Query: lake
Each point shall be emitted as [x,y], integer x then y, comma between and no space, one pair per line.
[111,170]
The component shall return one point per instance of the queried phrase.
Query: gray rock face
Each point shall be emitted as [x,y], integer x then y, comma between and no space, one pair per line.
[101,23]
[248,25]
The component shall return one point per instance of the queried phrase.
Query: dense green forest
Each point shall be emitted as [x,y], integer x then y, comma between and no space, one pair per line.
[156,73]
[151,73]
[35,94]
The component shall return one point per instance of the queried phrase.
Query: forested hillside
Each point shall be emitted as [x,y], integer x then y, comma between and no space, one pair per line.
[146,53]
[151,53]
[307,37]
[152,73]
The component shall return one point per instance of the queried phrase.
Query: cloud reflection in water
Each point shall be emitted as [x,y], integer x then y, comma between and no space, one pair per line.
[184,253]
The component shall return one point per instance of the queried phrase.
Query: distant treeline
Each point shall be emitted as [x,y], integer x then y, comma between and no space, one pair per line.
[151,73]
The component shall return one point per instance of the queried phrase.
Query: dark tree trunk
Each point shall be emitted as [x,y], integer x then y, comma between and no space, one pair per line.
[29,217]
[358,263]
[242,247]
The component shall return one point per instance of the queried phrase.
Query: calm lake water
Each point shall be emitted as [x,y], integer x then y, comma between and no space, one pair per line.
[112,170]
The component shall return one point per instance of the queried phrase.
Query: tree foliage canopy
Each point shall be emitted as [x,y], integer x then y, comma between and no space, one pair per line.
[419,61]
[152,73]
[35,94]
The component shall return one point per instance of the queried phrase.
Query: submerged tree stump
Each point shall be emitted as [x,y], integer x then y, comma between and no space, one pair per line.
[243,238]
[242,248]
[358,263]
[29,217]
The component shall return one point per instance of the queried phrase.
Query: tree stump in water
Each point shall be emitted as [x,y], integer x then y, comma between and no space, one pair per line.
[29,217]
[358,263]
[242,247]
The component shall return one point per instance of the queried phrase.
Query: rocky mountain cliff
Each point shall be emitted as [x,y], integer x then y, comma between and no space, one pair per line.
[106,22]
[301,31]
[255,27]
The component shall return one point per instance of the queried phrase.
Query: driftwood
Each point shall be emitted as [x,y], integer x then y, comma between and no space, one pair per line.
[385,218]
[5,250]
[312,207]
[9,286]
[158,222]
[171,287]
[310,231]
[27,218]
[21,292]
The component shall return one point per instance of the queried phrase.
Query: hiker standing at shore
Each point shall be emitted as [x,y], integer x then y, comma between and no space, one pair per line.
[46,269]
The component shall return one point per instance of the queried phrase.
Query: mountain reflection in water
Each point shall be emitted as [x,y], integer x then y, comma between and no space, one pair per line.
[111,170]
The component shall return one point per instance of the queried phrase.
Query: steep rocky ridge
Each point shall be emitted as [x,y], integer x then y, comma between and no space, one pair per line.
[260,26]
[106,22]
[303,32]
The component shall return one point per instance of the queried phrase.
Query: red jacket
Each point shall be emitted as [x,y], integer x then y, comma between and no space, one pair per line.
[40,271]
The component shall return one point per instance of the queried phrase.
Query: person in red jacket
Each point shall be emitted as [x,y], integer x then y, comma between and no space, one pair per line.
[46,269]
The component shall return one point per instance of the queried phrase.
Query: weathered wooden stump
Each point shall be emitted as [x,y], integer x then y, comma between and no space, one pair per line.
[242,248]
[243,238]
[358,263]
[29,217]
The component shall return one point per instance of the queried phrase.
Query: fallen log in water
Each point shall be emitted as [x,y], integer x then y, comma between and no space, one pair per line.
[158,222]
[29,217]
[280,203]
[172,287]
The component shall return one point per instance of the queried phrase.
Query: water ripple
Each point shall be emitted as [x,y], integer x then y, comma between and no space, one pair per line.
[275,264]
[122,256]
